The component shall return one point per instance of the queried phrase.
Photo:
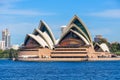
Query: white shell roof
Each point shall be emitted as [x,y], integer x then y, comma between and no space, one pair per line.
[104,47]
[46,37]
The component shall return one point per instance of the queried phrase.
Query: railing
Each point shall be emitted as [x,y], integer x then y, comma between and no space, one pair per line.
[29,50]
[35,47]
[69,53]
[71,49]
[69,56]
[72,46]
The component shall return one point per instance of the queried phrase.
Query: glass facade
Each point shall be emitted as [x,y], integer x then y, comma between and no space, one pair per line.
[31,43]
[75,29]
[77,22]
[71,39]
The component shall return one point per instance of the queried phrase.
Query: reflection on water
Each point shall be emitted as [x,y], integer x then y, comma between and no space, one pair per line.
[16,70]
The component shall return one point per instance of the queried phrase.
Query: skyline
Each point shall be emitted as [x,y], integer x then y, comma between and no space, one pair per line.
[21,17]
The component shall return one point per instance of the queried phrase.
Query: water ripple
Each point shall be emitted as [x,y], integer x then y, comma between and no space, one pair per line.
[17,70]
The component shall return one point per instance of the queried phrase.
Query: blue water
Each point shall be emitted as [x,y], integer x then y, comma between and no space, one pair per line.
[16,70]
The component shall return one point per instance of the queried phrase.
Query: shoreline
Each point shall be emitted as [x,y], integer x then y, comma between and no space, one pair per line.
[68,59]
[4,58]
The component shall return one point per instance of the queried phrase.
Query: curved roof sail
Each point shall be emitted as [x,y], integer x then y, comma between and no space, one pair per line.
[76,28]
[68,34]
[36,39]
[102,47]
[45,28]
[39,33]
[45,37]
[75,31]
[81,25]
[87,43]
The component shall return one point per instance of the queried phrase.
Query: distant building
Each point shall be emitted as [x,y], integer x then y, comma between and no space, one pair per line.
[6,38]
[99,38]
[15,47]
[2,45]
[63,28]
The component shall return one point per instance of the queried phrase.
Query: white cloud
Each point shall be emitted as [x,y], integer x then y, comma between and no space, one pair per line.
[111,3]
[5,4]
[114,13]
[23,12]
[101,31]
[8,1]
[7,7]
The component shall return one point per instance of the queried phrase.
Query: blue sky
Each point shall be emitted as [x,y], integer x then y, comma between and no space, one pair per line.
[22,16]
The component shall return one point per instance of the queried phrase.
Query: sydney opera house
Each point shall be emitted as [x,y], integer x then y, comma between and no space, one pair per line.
[75,44]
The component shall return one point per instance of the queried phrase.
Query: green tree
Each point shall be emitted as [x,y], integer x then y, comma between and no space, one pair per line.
[115,47]
[10,53]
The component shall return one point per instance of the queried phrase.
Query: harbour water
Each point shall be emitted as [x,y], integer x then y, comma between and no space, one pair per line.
[98,70]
